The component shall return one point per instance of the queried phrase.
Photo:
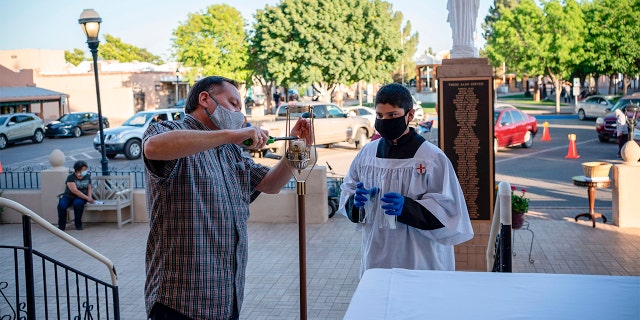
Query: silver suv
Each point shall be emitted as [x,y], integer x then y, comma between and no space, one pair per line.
[127,139]
[15,127]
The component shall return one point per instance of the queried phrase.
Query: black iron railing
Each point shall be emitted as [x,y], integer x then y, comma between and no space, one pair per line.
[24,177]
[36,286]
[29,177]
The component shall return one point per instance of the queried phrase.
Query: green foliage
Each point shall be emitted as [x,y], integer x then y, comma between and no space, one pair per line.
[326,42]
[494,15]
[409,44]
[564,29]
[614,48]
[515,38]
[114,49]
[213,42]
[74,57]
[519,203]
[538,41]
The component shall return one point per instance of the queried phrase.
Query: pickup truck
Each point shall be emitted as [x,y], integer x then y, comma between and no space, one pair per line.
[331,125]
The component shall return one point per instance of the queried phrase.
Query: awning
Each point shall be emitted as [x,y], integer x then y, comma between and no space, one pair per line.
[11,96]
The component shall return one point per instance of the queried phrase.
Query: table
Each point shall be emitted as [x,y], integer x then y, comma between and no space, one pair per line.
[583,181]
[401,294]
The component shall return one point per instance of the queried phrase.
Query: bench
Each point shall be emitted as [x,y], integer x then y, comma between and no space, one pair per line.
[110,193]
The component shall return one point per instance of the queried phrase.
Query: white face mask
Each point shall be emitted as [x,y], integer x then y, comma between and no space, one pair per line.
[224,118]
[84,173]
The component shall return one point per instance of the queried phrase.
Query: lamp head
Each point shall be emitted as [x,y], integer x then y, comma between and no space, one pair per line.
[633,108]
[300,156]
[90,21]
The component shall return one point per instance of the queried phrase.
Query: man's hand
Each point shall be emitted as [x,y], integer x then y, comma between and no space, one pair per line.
[258,136]
[362,195]
[302,129]
[394,203]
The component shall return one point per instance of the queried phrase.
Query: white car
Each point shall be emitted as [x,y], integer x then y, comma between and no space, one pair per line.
[370,113]
[365,112]
[127,139]
[595,106]
[15,127]
[418,116]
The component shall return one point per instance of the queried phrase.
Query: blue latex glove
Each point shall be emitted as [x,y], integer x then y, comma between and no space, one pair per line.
[362,194]
[394,203]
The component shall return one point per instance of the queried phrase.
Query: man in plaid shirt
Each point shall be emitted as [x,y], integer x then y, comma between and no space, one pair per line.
[199,187]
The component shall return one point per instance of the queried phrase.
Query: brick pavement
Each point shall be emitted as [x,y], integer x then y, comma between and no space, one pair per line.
[561,245]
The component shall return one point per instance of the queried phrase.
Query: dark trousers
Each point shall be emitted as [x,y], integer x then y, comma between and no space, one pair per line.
[162,312]
[622,139]
[78,207]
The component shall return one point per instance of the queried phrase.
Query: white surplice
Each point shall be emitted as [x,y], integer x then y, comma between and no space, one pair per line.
[429,179]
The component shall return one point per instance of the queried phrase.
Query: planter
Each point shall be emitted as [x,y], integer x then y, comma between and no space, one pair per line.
[517,219]
[596,169]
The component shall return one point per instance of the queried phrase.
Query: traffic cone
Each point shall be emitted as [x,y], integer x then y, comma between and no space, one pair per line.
[573,152]
[545,133]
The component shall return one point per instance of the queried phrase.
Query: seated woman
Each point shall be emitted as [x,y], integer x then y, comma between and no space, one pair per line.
[77,192]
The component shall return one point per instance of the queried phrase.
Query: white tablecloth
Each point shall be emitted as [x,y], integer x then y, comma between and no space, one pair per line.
[401,294]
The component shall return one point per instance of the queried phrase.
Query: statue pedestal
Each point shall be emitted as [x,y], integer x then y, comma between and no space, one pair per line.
[465,124]
[626,182]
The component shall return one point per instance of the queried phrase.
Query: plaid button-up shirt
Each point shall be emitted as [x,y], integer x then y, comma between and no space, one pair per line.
[198,208]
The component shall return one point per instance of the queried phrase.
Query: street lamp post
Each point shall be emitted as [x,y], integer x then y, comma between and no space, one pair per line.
[631,121]
[177,79]
[90,21]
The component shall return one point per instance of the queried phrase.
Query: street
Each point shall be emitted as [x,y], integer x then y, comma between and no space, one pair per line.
[542,169]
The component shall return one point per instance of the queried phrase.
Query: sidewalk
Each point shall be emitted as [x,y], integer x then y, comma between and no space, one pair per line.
[561,245]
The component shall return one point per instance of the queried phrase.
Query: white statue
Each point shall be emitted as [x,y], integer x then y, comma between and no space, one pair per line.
[462,17]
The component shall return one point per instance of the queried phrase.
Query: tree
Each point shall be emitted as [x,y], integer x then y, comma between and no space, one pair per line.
[429,51]
[213,42]
[74,57]
[539,41]
[514,38]
[409,44]
[564,29]
[494,15]
[324,43]
[614,49]
[114,49]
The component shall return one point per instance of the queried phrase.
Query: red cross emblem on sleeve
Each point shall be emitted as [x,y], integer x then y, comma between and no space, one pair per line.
[421,168]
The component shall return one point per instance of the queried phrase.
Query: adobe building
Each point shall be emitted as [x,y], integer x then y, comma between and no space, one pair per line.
[49,86]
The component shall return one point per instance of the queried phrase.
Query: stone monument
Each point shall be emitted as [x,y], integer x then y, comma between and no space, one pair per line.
[462,18]
[465,120]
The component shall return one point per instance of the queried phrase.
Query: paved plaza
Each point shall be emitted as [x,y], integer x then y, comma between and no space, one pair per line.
[561,245]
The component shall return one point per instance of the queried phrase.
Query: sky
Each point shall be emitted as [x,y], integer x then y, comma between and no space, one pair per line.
[53,24]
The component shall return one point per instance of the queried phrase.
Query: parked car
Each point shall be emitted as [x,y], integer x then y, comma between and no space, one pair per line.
[127,139]
[257,99]
[331,124]
[606,125]
[75,124]
[370,113]
[365,112]
[595,106]
[294,95]
[512,127]
[16,127]
[418,115]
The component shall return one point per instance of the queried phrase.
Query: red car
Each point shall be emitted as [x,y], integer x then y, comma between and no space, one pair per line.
[512,127]
[606,126]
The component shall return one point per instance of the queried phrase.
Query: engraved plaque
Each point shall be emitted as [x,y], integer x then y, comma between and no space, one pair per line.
[465,117]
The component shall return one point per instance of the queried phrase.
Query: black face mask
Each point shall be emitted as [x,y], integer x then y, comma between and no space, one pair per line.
[391,129]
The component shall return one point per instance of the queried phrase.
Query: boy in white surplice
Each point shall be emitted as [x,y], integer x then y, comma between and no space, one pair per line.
[404,194]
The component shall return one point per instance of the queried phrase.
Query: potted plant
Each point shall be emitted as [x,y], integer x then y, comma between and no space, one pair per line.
[519,206]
